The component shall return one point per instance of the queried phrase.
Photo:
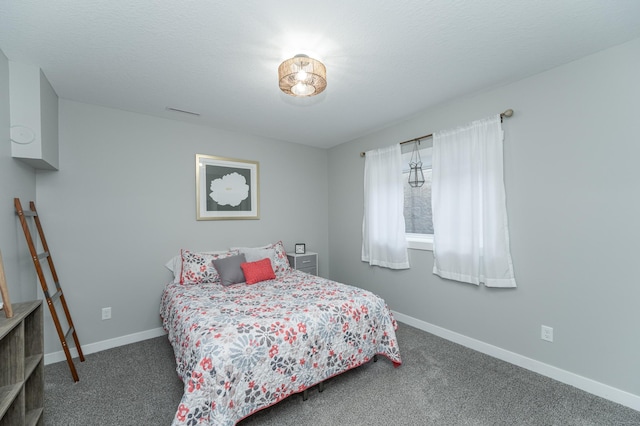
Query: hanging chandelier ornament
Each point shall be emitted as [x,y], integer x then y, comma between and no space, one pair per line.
[302,76]
[416,177]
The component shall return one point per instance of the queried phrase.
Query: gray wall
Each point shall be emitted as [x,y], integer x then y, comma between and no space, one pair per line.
[123,203]
[16,180]
[571,171]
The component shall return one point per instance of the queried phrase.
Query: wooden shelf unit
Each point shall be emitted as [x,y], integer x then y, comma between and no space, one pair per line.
[22,365]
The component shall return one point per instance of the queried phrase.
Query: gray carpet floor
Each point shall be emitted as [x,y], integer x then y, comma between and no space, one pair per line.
[439,383]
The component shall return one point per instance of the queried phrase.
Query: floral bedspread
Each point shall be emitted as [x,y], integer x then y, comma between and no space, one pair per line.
[243,347]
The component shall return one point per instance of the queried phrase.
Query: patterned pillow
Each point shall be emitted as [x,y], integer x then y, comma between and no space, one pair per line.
[261,270]
[197,268]
[175,263]
[281,262]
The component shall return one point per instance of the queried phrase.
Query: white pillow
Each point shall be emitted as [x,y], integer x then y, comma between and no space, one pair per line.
[173,263]
[278,256]
[255,254]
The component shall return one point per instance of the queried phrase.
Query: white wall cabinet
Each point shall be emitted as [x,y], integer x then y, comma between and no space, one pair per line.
[33,106]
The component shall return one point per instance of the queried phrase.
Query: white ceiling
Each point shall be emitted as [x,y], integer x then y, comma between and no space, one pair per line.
[386,60]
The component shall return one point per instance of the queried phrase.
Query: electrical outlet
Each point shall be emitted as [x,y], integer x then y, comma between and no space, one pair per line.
[106,313]
[546,333]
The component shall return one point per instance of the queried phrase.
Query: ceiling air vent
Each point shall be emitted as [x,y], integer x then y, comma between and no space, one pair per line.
[197,114]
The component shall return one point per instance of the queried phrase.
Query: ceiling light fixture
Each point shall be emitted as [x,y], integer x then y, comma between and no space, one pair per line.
[302,76]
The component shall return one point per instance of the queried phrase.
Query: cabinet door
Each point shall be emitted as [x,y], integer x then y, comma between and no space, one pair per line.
[313,270]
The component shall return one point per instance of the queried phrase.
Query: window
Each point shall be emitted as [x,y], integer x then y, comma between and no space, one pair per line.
[417,201]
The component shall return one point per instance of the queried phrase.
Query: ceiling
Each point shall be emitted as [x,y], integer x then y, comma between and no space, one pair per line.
[386,60]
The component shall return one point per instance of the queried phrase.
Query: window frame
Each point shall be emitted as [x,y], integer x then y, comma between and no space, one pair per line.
[420,241]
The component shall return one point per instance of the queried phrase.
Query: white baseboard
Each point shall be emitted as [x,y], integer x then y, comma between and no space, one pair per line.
[105,344]
[588,385]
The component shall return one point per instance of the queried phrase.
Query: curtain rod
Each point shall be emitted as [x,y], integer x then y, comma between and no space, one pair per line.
[507,113]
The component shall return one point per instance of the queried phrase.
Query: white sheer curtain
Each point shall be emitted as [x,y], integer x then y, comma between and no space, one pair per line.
[471,237]
[383,233]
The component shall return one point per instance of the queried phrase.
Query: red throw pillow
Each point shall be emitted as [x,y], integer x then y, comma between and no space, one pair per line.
[261,270]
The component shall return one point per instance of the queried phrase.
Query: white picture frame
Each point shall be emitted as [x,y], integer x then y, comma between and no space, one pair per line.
[226,188]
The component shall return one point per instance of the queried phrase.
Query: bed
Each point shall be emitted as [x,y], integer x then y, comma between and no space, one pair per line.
[241,347]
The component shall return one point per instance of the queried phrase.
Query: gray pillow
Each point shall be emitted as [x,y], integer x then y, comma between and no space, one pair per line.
[229,269]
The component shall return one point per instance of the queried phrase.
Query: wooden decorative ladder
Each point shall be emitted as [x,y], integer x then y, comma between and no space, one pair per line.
[58,295]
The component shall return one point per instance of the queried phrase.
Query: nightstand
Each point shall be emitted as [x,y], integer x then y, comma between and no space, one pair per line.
[307,262]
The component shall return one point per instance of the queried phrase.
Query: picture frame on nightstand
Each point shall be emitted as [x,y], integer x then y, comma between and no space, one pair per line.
[300,248]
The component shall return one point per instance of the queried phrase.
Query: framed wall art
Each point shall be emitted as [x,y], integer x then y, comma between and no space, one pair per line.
[226,188]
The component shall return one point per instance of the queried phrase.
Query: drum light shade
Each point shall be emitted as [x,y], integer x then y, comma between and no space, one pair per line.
[302,76]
